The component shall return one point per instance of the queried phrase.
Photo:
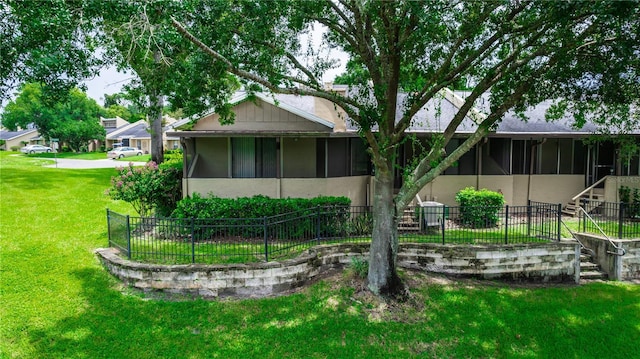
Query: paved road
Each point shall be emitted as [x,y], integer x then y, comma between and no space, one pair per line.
[106,163]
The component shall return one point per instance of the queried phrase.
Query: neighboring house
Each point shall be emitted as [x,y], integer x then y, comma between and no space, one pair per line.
[131,135]
[13,139]
[301,146]
[137,135]
[110,125]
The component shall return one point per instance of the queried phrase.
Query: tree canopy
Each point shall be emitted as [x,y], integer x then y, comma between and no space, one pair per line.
[74,118]
[62,43]
[582,54]
[403,54]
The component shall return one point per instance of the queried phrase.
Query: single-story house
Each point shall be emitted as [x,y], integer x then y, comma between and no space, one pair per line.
[137,135]
[17,139]
[302,146]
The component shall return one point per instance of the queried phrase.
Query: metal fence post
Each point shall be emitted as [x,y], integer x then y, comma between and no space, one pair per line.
[266,239]
[193,241]
[108,227]
[318,224]
[620,219]
[128,239]
[583,219]
[442,220]
[559,221]
[506,224]
[528,218]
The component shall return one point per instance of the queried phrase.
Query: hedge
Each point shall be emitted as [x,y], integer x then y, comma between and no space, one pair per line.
[245,216]
[479,209]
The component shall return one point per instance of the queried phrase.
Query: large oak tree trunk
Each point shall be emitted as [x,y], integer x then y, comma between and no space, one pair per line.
[157,148]
[383,277]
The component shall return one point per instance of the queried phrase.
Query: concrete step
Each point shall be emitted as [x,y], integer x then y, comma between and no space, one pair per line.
[589,270]
[588,266]
[592,274]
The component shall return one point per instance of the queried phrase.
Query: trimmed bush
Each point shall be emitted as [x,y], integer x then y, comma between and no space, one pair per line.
[245,216]
[479,209]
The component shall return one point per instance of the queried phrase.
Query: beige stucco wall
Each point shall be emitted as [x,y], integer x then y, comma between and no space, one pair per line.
[544,188]
[299,157]
[17,141]
[232,187]
[555,188]
[613,183]
[353,187]
[260,116]
[444,188]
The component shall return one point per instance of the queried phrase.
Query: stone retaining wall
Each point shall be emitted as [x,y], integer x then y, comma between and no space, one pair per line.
[556,262]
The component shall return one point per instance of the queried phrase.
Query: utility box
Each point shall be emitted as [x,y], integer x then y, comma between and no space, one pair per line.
[432,213]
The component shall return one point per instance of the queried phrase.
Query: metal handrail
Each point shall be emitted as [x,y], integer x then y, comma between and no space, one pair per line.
[590,188]
[573,234]
[618,249]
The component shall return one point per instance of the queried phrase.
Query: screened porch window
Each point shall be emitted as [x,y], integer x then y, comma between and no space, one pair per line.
[253,157]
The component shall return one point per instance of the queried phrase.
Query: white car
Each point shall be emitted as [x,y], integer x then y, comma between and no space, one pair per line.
[122,152]
[35,149]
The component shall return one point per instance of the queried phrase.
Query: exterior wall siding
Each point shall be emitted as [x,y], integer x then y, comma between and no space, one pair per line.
[544,188]
[260,117]
[443,189]
[354,188]
[613,183]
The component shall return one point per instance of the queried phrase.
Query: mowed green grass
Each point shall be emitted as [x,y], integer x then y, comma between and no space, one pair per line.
[56,301]
[88,156]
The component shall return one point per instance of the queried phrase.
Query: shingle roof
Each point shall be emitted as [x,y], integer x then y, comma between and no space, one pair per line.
[137,131]
[7,135]
[436,115]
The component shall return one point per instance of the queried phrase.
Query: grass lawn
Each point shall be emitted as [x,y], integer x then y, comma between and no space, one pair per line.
[72,155]
[56,301]
[88,156]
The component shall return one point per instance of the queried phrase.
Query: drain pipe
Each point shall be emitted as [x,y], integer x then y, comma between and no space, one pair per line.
[533,146]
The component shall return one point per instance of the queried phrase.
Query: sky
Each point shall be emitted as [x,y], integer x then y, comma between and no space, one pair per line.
[110,81]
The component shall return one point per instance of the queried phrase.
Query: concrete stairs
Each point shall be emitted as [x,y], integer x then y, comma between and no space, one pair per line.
[589,270]
[408,222]
[592,201]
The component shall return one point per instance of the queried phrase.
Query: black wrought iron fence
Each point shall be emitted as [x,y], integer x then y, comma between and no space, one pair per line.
[224,240]
[617,220]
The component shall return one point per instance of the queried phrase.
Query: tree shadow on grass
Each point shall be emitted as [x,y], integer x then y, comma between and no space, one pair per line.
[325,321]
[114,324]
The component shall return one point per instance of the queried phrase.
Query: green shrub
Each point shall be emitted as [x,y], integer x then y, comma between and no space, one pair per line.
[244,216]
[479,209]
[148,188]
[631,200]
[360,225]
[360,266]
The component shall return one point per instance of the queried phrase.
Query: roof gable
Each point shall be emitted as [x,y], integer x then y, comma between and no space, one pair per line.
[266,113]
